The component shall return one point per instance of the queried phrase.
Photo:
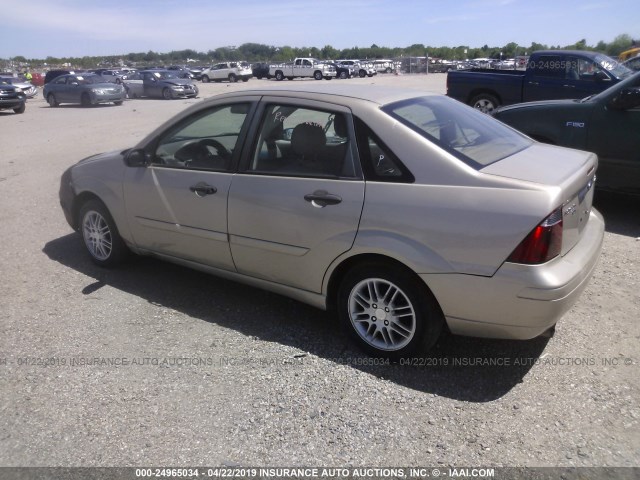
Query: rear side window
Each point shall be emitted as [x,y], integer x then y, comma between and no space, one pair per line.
[475,138]
[549,66]
[378,162]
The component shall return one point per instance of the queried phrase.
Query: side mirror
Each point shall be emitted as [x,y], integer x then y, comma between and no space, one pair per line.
[137,158]
[626,99]
[600,76]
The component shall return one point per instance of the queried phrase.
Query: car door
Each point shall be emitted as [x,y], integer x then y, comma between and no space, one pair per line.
[545,79]
[59,88]
[217,71]
[296,202]
[583,77]
[151,85]
[177,205]
[613,135]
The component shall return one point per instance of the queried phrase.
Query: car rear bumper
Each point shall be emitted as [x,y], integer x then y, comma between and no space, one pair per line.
[519,301]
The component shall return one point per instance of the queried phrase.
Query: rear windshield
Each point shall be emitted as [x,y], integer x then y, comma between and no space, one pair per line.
[474,137]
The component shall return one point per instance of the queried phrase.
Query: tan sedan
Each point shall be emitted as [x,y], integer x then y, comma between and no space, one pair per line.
[403,211]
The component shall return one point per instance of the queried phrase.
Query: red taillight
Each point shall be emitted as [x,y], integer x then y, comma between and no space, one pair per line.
[542,244]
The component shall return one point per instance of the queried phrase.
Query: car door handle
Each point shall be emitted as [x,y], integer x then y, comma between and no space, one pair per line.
[321,198]
[202,189]
[534,83]
[569,86]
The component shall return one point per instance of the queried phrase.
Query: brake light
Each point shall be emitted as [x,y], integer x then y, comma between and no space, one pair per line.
[542,244]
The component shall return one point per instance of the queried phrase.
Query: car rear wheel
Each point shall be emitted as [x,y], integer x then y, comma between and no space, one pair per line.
[343,75]
[279,76]
[233,78]
[85,100]
[362,74]
[119,102]
[100,234]
[20,109]
[166,94]
[387,312]
[485,103]
[51,100]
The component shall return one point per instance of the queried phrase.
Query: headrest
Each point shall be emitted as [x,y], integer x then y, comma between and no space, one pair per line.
[308,138]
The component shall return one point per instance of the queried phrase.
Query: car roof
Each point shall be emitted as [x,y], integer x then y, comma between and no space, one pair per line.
[373,93]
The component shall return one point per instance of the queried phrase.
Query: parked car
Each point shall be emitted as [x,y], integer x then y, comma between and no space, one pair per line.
[181,71]
[607,123]
[112,76]
[360,68]
[385,66]
[196,72]
[231,71]
[550,75]
[342,71]
[11,98]
[26,87]
[633,63]
[86,89]
[465,221]
[51,74]
[260,70]
[160,83]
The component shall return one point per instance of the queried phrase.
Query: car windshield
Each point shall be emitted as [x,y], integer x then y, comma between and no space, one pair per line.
[88,79]
[165,75]
[614,67]
[473,137]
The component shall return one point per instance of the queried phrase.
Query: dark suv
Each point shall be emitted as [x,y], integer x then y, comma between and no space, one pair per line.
[51,74]
[12,98]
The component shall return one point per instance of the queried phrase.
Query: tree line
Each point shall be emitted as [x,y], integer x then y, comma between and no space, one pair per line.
[255,52]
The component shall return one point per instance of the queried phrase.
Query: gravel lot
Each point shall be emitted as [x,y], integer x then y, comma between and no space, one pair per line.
[153,364]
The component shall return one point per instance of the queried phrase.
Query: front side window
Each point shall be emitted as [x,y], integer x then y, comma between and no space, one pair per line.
[297,141]
[473,137]
[206,141]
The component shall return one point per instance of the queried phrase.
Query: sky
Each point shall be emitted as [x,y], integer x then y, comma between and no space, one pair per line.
[76,28]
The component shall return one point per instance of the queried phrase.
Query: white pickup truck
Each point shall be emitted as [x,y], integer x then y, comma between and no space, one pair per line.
[303,67]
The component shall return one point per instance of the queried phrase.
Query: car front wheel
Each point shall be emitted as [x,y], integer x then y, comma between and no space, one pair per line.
[100,234]
[20,109]
[166,94]
[51,100]
[388,312]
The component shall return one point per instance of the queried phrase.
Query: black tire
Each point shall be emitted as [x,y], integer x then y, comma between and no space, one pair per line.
[233,78]
[85,100]
[362,74]
[317,75]
[279,76]
[484,102]
[119,102]
[20,109]
[205,79]
[51,100]
[406,316]
[343,75]
[166,94]
[100,234]
[245,79]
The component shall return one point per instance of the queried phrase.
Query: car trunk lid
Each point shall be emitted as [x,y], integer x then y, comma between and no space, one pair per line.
[571,171]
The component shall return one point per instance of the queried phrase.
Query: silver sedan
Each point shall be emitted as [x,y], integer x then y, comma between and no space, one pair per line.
[401,211]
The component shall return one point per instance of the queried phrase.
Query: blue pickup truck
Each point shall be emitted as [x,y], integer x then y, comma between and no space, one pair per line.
[549,75]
